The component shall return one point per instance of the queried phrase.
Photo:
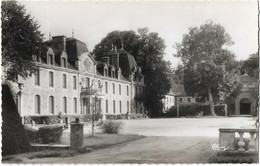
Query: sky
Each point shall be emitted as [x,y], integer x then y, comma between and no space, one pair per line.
[93,20]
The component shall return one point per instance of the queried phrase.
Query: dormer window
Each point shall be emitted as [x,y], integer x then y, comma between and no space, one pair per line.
[50,59]
[113,74]
[63,62]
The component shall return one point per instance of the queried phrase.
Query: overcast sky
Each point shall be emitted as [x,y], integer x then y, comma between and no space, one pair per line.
[92,21]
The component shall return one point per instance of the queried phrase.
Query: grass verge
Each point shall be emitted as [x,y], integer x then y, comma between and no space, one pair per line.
[98,141]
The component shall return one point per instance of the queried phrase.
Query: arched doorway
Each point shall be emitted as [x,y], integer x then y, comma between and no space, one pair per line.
[245,106]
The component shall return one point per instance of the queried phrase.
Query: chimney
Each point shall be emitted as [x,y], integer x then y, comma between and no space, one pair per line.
[59,42]
[106,60]
[115,60]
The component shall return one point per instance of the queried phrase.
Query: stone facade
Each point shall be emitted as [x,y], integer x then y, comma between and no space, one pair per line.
[70,81]
[184,100]
[168,102]
[246,100]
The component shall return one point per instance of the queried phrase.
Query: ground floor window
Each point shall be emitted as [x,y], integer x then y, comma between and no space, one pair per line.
[37,102]
[120,106]
[114,106]
[75,105]
[128,106]
[64,104]
[106,106]
[51,104]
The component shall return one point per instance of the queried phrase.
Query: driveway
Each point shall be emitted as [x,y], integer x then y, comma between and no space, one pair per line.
[185,127]
[184,140]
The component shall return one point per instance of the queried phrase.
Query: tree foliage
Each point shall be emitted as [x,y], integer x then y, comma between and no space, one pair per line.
[21,39]
[209,69]
[148,50]
[251,66]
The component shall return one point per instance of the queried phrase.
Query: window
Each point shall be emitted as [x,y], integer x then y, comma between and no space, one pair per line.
[64,105]
[75,105]
[119,89]
[128,106]
[87,82]
[51,104]
[127,90]
[114,106]
[113,74]
[136,91]
[64,81]
[120,106]
[140,90]
[188,100]
[106,106]
[74,82]
[180,100]
[37,102]
[106,87]
[113,88]
[63,62]
[37,77]
[50,57]
[51,79]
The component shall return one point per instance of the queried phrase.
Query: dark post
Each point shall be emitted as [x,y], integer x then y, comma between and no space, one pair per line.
[76,134]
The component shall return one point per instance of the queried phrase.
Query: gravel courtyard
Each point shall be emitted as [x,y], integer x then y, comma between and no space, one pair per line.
[185,127]
[175,140]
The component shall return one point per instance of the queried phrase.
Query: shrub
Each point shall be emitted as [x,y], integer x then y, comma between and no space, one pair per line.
[48,119]
[132,116]
[111,116]
[45,134]
[120,116]
[111,126]
[220,109]
[54,119]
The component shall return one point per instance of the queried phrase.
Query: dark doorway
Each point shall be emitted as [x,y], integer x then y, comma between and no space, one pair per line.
[245,107]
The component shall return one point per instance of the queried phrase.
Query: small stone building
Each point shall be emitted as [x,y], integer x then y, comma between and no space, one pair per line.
[246,100]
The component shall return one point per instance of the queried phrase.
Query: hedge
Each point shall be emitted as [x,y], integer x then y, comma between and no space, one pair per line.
[45,134]
[124,116]
[136,116]
[54,119]
[195,109]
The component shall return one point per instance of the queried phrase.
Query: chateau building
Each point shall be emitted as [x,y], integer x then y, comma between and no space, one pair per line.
[70,81]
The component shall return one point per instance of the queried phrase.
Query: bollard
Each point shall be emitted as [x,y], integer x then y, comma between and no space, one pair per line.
[67,121]
[76,135]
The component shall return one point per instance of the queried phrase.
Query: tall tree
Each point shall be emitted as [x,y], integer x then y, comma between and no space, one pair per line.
[148,50]
[21,39]
[251,66]
[207,66]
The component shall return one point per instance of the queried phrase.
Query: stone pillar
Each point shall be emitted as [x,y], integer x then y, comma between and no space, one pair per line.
[67,121]
[227,139]
[103,109]
[76,135]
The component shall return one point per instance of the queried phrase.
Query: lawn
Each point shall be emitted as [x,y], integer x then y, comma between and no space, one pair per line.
[99,140]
